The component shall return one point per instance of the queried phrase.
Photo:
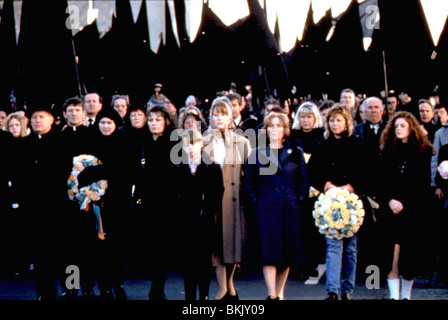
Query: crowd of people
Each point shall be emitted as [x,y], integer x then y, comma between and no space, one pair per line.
[203,183]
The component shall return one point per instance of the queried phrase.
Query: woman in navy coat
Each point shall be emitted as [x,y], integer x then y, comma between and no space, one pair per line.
[275,187]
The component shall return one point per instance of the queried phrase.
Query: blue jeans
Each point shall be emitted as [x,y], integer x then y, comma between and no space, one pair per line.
[341,258]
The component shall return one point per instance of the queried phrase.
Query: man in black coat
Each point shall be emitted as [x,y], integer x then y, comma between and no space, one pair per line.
[6,141]
[93,104]
[43,185]
[76,139]
[370,132]
[242,120]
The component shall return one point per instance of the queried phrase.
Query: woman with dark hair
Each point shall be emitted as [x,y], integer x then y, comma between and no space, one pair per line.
[158,197]
[112,149]
[192,118]
[275,185]
[103,243]
[137,131]
[405,158]
[337,163]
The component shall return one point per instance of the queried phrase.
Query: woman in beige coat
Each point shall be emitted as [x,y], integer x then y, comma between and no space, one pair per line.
[230,150]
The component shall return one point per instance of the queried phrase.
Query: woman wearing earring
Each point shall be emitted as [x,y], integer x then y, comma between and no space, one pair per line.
[405,157]
[337,163]
[275,184]
[230,151]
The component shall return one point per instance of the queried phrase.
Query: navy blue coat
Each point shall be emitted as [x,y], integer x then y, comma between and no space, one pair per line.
[275,188]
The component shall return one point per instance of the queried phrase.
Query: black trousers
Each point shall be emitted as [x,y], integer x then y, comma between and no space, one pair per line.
[197,275]
[101,261]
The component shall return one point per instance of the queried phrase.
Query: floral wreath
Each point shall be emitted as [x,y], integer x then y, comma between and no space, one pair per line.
[87,194]
[338,213]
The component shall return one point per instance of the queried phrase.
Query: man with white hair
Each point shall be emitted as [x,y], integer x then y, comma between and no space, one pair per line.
[370,132]
[190,101]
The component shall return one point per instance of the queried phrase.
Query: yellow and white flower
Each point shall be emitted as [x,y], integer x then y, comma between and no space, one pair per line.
[338,213]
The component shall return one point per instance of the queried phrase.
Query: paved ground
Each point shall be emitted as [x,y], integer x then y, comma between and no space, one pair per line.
[250,286]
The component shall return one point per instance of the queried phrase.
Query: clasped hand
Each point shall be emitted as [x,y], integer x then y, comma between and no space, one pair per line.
[347,187]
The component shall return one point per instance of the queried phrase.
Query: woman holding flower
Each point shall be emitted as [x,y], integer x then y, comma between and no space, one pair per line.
[337,163]
[104,242]
[406,154]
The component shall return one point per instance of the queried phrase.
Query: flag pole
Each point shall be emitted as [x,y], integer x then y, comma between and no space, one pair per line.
[78,78]
[386,86]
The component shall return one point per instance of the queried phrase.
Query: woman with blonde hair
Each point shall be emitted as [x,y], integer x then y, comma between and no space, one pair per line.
[337,162]
[16,125]
[275,185]
[406,196]
[230,151]
[307,128]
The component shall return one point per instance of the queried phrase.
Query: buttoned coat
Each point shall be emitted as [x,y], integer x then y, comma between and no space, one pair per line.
[276,187]
[232,221]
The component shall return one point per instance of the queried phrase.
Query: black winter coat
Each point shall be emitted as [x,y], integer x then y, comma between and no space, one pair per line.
[340,161]
[275,187]
[159,195]
[117,165]
[199,203]
[407,179]
[42,185]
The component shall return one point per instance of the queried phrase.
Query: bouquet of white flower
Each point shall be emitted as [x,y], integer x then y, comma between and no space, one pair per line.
[338,213]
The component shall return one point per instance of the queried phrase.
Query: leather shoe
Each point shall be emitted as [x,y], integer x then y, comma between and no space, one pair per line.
[332,296]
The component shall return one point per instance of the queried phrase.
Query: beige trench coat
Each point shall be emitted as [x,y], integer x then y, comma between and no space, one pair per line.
[231,241]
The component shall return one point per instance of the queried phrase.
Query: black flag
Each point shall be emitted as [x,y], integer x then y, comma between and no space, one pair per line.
[47,67]
[8,54]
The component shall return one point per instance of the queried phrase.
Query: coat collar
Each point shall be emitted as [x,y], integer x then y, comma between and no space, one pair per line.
[232,143]
[276,160]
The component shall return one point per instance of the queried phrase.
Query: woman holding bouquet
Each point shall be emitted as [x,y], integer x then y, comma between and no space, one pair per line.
[406,154]
[337,163]
[275,184]
[105,245]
